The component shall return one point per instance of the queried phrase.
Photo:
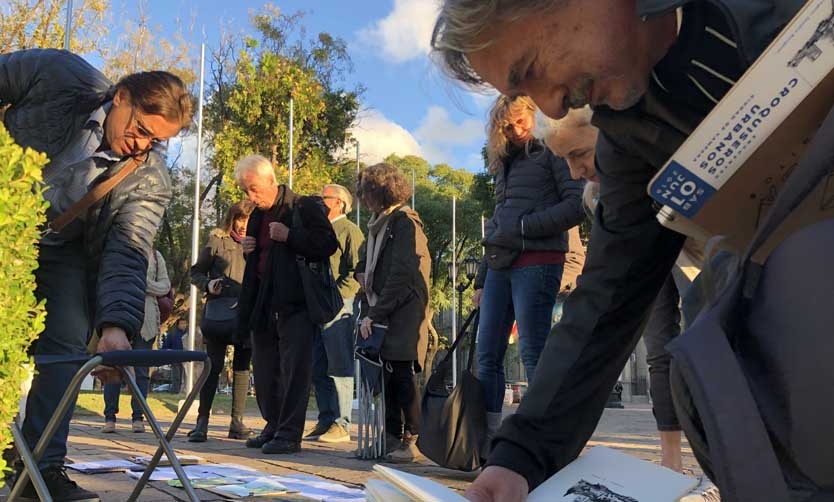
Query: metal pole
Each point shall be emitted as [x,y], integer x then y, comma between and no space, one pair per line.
[68,26]
[483,233]
[413,204]
[454,291]
[291,139]
[195,227]
[358,205]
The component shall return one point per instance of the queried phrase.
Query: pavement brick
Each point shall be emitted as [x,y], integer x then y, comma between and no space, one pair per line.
[631,430]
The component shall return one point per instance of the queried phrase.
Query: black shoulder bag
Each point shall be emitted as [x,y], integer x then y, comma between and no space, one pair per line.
[320,292]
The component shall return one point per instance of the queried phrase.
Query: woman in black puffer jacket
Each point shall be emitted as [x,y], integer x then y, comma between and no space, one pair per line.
[218,273]
[525,243]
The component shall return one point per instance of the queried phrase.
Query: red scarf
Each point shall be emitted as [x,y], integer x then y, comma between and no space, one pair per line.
[236,236]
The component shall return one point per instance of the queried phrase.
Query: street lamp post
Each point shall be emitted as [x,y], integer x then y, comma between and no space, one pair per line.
[470,270]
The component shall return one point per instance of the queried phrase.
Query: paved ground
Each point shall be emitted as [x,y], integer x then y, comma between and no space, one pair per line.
[631,430]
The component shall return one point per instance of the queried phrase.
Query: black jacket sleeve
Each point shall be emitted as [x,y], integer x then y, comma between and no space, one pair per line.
[200,270]
[51,93]
[122,272]
[316,240]
[629,256]
[560,217]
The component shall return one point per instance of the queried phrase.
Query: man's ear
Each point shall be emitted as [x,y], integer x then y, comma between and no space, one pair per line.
[121,97]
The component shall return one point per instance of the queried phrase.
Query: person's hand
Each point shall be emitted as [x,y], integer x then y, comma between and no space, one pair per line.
[112,338]
[476,297]
[215,286]
[248,244]
[498,484]
[365,327]
[278,231]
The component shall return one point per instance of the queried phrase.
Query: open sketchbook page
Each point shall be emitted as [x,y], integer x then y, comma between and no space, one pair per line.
[602,474]
[377,490]
[418,488]
[612,476]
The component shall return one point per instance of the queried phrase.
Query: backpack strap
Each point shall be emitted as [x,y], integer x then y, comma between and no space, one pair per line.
[94,195]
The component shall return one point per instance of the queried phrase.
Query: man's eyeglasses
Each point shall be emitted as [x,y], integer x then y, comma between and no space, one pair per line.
[137,130]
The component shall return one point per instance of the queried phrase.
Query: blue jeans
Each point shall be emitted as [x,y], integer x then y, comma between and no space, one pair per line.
[526,295]
[112,390]
[333,368]
[61,280]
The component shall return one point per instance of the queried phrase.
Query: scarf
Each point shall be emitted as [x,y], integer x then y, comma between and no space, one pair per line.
[377,228]
[235,236]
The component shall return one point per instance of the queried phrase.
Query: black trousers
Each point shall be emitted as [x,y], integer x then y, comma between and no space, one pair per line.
[282,361]
[216,350]
[663,326]
[402,405]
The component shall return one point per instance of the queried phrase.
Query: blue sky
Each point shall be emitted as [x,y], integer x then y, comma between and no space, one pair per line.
[409,106]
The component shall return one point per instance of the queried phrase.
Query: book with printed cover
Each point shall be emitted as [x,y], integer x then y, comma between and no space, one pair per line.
[727,174]
[601,474]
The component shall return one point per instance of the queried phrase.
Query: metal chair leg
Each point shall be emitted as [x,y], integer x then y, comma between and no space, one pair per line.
[164,438]
[63,407]
[30,464]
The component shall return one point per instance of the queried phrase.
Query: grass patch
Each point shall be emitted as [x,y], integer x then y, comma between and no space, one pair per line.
[91,403]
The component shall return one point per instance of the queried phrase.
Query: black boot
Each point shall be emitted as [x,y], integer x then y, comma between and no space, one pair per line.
[240,387]
[200,432]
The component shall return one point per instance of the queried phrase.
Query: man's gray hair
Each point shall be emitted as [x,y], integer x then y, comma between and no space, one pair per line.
[461,23]
[343,194]
[254,164]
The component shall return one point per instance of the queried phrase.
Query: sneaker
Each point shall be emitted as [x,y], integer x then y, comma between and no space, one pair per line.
[335,434]
[138,426]
[60,486]
[281,446]
[406,453]
[317,432]
[108,427]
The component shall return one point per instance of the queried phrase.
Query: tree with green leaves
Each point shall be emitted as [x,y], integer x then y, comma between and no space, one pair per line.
[250,103]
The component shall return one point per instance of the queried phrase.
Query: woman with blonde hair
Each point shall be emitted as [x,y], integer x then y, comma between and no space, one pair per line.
[525,241]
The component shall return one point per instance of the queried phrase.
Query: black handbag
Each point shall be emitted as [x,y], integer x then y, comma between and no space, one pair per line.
[223,308]
[321,295]
[500,258]
[454,423]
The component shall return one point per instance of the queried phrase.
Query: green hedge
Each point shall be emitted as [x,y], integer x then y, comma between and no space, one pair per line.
[22,210]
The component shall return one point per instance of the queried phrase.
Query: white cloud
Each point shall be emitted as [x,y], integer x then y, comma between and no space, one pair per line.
[405,33]
[439,135]
[437,138]
[437,127]
[484,99]
[379,137]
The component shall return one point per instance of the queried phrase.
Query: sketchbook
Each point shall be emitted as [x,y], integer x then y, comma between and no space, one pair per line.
[601,474]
